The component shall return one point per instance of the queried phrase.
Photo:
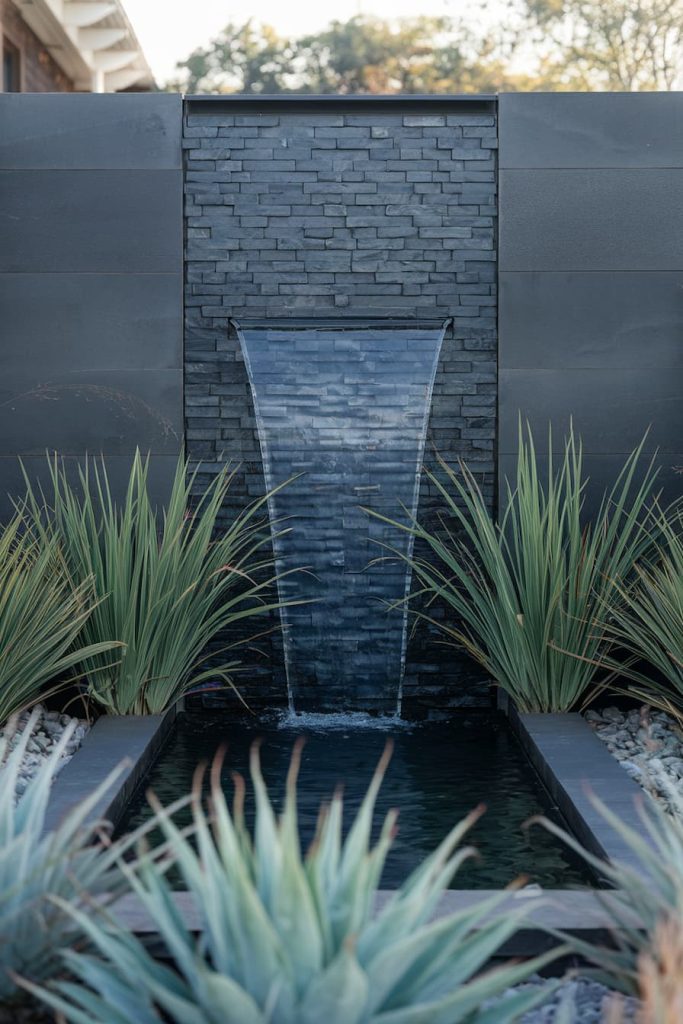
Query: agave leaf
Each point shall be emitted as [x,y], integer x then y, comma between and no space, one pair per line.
[227,1003]
[343,968]
[464,1003]
[338,994]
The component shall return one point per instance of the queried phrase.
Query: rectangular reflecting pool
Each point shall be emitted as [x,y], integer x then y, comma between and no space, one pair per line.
[438,773]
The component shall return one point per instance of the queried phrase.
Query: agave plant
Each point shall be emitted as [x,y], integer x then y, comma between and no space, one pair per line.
[164,590]
[529,597]
[39,868]
[646,901]
[42,618]
[293,940]
[648,620]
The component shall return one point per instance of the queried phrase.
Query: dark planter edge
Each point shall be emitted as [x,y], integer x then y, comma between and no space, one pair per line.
[113,739]
[576,766]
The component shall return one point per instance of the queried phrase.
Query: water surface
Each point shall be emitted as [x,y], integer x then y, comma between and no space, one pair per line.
[438,773]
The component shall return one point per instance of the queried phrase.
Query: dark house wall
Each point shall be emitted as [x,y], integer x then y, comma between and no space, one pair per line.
[335,208]
[90,281]
[39,71]
[591,274]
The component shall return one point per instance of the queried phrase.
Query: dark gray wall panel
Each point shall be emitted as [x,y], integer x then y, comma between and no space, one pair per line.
[114,411]
[591,320]
[591,220]
[122,221]
[161,471]
[91,321]
[591,130]
[601,472]
[611,407]
[81,130]
[90,281]
[591,306]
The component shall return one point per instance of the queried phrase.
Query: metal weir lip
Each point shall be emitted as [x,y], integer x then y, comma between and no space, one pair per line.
[339,323]
[342,406]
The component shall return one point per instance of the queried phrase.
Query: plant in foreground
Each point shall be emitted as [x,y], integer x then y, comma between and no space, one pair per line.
[646,903]
[293,940]
[37,869]
[529,597]
[42,618]
[164,590]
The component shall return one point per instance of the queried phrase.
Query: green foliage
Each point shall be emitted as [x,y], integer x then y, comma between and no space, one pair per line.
[292,940]
[528,44]
[164,591]
[41,619]
[36,868]
[648,620]
[362,55]
[529,598]
[646,896]
[618,45]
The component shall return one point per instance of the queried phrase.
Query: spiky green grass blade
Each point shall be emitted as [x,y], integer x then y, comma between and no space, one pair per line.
[165,585]
[293,939]
[529,597]
[42,619]
[647,622]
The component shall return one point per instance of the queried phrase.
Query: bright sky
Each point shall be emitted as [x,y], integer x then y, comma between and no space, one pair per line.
[169,30]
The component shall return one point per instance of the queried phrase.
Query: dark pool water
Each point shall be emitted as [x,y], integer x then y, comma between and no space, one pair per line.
[438,773]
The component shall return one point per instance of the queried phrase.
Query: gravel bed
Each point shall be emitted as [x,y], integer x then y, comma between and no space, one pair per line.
[579,1001]
[649,746]
[48,730]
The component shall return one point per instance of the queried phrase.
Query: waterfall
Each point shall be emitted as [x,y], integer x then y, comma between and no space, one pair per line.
[342,406]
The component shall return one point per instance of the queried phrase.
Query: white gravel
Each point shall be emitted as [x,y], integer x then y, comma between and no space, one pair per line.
[579,1000]
[48,730]
[648,744]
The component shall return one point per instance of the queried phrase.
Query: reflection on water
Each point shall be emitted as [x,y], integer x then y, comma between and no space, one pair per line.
[438,773]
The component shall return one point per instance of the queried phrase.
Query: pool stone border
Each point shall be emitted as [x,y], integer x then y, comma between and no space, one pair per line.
[135,740]
[562,748]
[575,765]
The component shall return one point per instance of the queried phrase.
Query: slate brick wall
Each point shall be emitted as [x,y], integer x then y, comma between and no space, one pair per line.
[363,210]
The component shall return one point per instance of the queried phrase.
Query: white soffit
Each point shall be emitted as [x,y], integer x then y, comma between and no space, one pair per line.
[92,41]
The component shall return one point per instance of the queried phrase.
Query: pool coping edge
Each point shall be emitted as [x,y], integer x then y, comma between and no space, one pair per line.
[562,748]
[112,740]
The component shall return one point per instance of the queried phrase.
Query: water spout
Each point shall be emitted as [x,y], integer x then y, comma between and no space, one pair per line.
[346,405]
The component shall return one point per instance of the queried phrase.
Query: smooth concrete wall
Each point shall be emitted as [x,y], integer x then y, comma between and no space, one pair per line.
[591,275]
[90,283]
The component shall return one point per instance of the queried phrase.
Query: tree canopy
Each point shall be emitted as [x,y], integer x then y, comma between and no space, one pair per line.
[535,44]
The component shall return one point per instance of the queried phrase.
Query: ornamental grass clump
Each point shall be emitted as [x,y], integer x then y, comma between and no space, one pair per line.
[42,619]
[42,874]
[166,584]
[529,597]
[293,940]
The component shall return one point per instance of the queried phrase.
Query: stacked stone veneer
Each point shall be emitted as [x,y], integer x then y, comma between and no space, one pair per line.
[326,210]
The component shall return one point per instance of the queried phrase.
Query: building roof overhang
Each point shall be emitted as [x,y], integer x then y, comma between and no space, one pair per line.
[92,41]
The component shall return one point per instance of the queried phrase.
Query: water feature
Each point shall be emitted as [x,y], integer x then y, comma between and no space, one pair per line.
[438,773]
[343,407]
